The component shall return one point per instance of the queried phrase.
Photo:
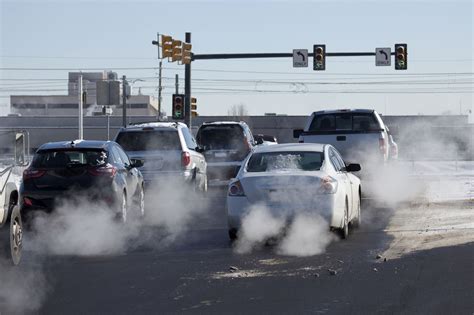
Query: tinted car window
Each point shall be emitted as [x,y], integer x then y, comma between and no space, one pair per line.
[344,121]
[222,137]
[69,158]
[189,139]
[274,161]
[149,140]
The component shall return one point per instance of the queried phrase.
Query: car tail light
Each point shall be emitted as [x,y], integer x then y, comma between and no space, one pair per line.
[185,159]
[236,189]
[394,150]
[382,146]
[32,173]
[27,201]
[108,170]
[328,185]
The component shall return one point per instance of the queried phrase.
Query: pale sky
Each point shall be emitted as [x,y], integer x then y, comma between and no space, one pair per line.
[56,36]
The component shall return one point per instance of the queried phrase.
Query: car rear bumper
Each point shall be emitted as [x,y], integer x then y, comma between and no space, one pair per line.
[219,173]
[239,207]
[48,201]
[151,178]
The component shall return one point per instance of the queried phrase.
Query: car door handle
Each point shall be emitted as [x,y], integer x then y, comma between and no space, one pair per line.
[341,138]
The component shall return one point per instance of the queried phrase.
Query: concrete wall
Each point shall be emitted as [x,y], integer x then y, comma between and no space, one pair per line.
[417,136]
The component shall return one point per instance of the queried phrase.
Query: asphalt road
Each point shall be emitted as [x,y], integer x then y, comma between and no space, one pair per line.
[193,274]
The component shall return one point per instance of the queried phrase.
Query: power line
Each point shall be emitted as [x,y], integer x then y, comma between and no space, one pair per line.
[231,71]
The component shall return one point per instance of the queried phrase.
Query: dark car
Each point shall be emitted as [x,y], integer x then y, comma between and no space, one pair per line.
[100,169]
[226,144]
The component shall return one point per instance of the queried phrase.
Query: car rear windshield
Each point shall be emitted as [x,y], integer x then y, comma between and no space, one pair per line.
[275,161]
[358,122]
[149,140]
[222,137]
[69,158]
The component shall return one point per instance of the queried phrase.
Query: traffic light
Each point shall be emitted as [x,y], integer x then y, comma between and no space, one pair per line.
[176,50]
[186,53]
[194,107]
[400,56]
[319,55]
[166,48]
[178,106]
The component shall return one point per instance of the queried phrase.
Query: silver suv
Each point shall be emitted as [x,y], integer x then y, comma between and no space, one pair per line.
[226,144]
[169,151]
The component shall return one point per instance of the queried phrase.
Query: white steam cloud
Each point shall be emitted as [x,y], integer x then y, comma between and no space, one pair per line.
[308,234]
[174,206]
[22,288]
[82,229]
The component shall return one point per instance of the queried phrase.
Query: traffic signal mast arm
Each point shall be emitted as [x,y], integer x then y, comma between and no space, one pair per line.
[276,55]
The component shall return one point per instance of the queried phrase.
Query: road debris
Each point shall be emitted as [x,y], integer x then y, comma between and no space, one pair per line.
[332,272]
[233,268]
[378,256]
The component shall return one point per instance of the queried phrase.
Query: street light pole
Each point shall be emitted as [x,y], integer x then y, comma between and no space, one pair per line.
[80,102]
[124,101]
[187,87]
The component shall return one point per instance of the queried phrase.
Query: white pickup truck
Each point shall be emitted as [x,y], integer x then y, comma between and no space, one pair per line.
[359,135]
[13,160]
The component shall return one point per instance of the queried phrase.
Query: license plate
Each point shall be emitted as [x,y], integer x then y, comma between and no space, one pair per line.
[220,154]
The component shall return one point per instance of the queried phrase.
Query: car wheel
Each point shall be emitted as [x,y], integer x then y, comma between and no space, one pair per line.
[122,211]
[12,243]
[140,203]
[232,234]
[204,188]
[357,220]
[344,231]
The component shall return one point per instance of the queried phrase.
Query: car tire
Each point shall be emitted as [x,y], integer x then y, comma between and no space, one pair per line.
[344,231]
[140,203]
[122,214]
[12,238]
[204,186]
[356,222]
[233,234]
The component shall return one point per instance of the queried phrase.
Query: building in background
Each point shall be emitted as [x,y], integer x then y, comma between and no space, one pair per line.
[102,88]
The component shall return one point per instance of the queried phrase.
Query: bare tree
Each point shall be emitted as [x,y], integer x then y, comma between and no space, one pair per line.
[238,111]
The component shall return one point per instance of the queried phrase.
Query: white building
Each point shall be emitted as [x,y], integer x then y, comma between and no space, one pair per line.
[67,105]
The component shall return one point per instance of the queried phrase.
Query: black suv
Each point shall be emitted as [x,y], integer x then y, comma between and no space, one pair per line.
[226,144]
[99,168]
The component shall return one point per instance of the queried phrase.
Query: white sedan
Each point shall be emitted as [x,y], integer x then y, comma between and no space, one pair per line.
[289,179]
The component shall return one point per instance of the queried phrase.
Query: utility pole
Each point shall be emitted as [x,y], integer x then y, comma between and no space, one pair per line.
[80,102]
[177,83]
[157,43]
[124,101]
[159,87]
[187,87]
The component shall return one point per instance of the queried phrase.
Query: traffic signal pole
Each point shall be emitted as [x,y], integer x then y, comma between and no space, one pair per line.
[187,88]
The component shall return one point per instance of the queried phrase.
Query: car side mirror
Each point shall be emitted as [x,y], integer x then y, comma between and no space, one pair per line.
[259,141]
[297,133]
[200,149]
[137,163]
[352,167]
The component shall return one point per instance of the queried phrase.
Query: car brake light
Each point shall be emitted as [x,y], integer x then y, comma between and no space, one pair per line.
[185,159]
[32,173]
[107,170]
[328,185]
[236,189]
[382,146]
[27,201]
